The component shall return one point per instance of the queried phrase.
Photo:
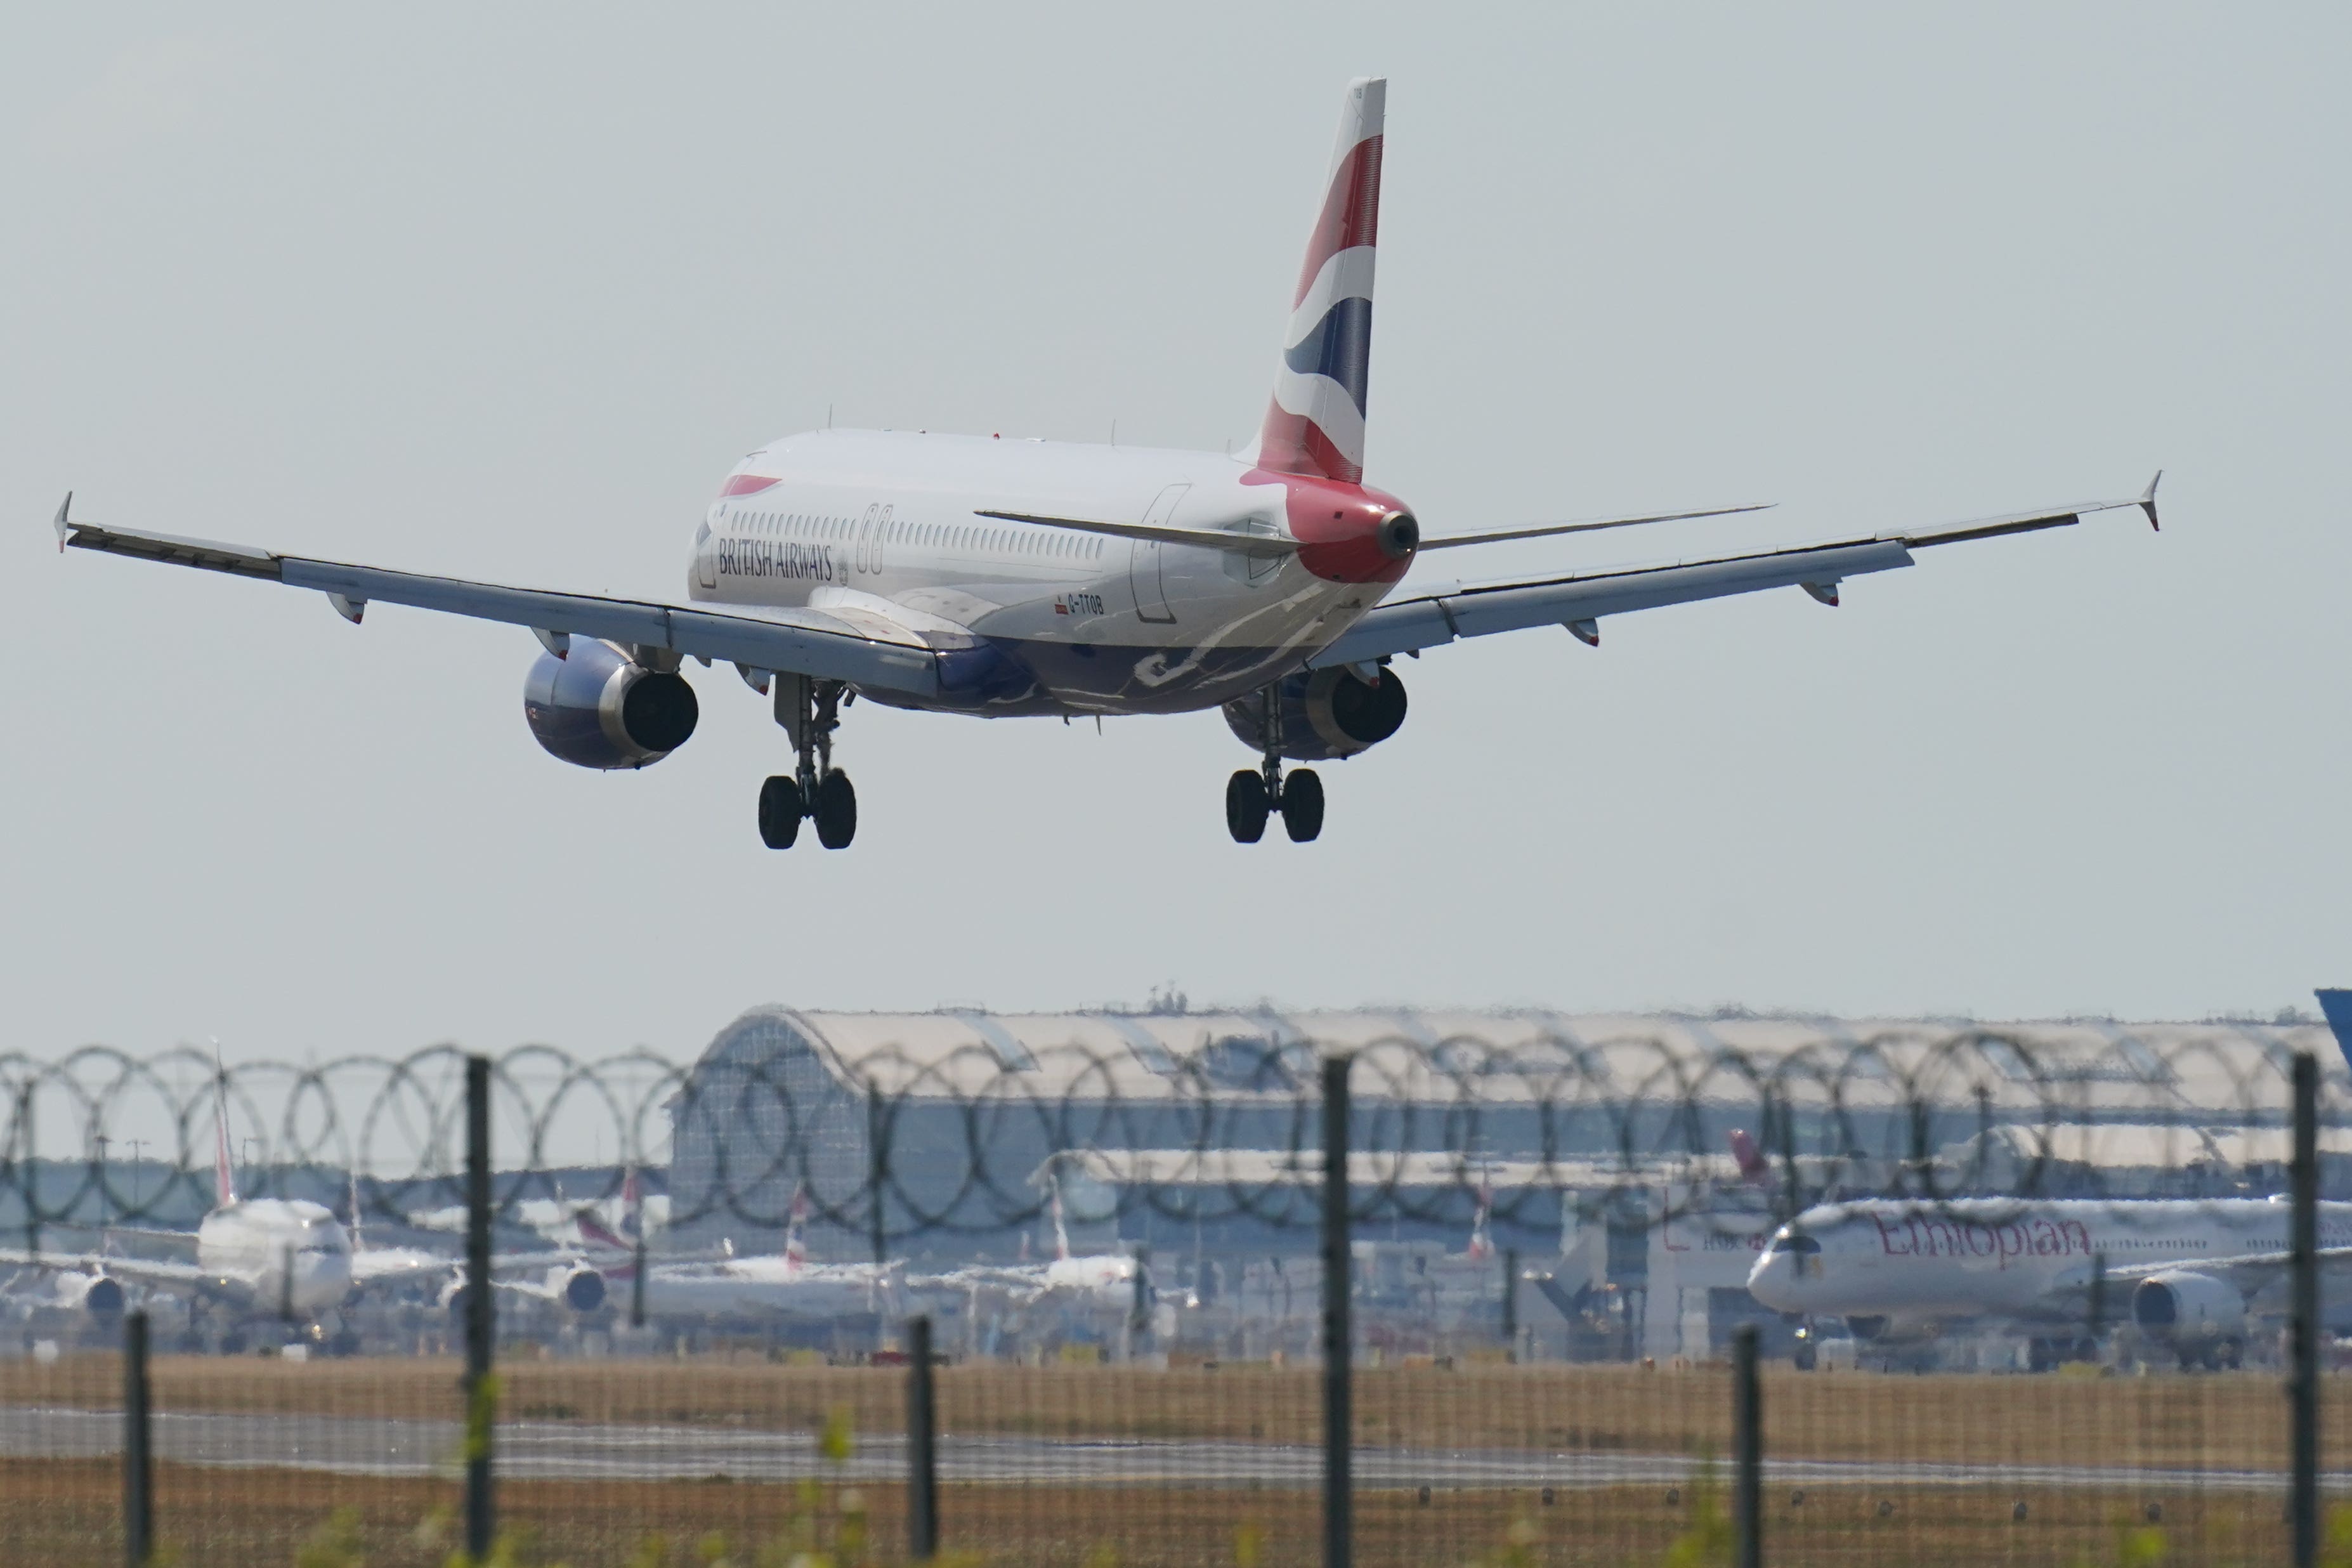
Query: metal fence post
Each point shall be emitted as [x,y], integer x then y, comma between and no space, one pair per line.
[923,1460]
[138,1468]
[878,1167]
[1511,1300]
[2303,1250]
[1748,1456]
[638,1277]
[1339,1481]
[481,1320]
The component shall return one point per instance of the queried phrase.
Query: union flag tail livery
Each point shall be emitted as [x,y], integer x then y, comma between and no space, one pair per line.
[1316,426]
[998,576]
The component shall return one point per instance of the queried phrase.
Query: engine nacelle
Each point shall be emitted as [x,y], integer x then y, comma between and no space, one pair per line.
[598,709]
[1325,713]
[581,1289]
[97,1294]
[2181,1307]
[1888,1332]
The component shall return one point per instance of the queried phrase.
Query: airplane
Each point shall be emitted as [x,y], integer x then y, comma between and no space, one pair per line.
[287,1260]
[255,1258]
[1089,1281]
[785,1284]
[2190,1273]
[1007,577]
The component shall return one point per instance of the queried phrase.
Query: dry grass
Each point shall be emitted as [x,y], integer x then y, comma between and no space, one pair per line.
[66,1513]
[2231,1420]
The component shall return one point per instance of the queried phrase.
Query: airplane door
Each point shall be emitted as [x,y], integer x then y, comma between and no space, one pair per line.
[1145,559]
[706,557]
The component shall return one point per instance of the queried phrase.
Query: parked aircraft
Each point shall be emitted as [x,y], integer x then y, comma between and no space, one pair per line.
[2191,1274]
[1084,1282]
[981,576]
[783,1284]
[284,1259]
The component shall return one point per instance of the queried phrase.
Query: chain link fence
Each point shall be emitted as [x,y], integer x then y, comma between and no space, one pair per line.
[1960,1294]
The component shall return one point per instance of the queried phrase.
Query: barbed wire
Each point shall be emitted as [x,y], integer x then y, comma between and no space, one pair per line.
[898,1146]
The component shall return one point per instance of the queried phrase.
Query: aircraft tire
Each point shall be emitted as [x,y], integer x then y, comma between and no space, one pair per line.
[780,812]
[1302,806]
[1246,807]
[836,810]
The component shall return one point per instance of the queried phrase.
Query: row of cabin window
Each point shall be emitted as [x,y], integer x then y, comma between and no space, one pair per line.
[927,533]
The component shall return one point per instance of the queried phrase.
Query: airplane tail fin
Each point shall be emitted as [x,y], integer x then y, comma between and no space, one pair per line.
[2337,1007]
[1754,1169]
[795,1249]
[359,1242]
[1060,1232]
[1482,1239]
[223,1177]
[1316,425]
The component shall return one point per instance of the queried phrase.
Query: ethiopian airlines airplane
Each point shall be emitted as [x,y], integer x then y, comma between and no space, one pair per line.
[996,577]
[2191,1274]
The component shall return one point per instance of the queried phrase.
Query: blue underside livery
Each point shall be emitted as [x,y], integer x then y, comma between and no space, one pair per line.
[1014,677]
[1341,347]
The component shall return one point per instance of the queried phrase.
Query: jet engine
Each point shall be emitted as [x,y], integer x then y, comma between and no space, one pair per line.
[2185,1309]
[97,1294]
[1325,713]
[1889,1332]
[579,1287]
[596,708]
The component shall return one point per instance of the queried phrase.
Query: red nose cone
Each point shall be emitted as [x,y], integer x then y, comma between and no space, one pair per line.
[1348,533]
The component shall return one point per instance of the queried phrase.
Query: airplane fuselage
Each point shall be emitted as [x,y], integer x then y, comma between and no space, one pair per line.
[275,1254]
[884,529]
[1923,1260]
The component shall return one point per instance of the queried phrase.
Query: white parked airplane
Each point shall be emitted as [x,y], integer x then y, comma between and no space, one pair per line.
[287,1258]
[994,577]
[783,1285]
[1090,1281]
[2190,1273]
[284,1258]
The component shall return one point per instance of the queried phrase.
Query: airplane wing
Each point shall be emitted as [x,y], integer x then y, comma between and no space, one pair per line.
[800,642]
[1578,602]
[2251,1273]
[139,1270]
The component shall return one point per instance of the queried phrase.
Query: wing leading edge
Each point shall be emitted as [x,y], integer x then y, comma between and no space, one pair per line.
[1578,602]
[800,642]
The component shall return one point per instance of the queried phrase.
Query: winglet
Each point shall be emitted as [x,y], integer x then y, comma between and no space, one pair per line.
[62,525]
[2146,499]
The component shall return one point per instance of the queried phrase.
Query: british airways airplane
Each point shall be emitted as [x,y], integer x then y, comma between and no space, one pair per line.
[1001,578]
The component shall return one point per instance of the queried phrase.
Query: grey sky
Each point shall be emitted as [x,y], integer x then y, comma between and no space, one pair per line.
[505,296]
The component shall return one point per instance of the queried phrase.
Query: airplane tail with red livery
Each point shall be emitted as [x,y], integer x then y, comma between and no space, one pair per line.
[1316,426]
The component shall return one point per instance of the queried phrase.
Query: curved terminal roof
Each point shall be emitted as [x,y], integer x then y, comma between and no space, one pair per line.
[2094,1071]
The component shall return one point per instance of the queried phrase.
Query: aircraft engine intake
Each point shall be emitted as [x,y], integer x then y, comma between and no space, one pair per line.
[1325,713]
[585,1290]
[96,1294]
[598,709]
[2182,1307]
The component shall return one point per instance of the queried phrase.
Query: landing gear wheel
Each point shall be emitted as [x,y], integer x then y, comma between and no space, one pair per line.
[1302,806]
[1247,807]
[836,810]
[779,812]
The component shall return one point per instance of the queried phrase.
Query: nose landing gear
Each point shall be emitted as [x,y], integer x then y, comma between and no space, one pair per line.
[808,710]
[1252,797]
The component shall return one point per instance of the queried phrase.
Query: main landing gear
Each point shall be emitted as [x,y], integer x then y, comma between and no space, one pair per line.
[810,711]
[1252,797]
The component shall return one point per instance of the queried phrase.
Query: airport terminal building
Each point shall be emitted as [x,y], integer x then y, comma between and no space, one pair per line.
[1158,1125]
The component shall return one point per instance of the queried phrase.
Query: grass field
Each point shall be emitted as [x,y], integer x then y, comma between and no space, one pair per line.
[69,1512]
[2235,1420]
